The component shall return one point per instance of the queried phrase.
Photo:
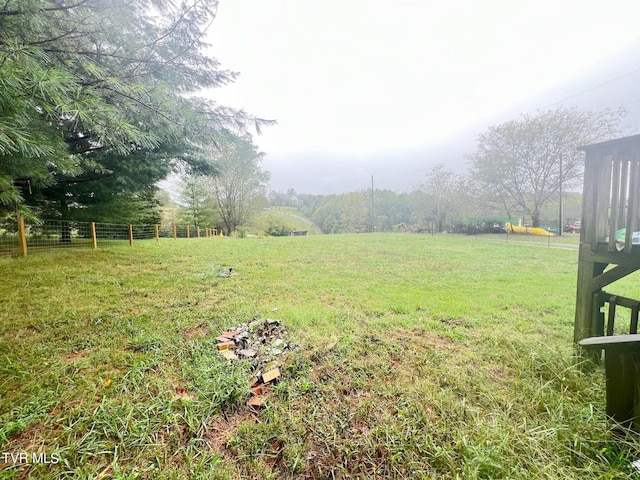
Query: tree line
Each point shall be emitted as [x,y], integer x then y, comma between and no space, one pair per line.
[519,171]
[452,208]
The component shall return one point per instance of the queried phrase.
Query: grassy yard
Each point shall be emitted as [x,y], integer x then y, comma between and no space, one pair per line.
[420,357]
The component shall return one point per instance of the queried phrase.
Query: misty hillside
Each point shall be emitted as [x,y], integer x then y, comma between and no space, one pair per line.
[609,84]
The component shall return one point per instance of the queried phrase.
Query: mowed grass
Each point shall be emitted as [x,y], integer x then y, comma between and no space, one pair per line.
[420,357]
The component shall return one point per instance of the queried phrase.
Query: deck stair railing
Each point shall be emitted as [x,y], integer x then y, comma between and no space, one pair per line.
[612,310]
[612,201]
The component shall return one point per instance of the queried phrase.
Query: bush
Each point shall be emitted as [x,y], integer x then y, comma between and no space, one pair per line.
[277,228]
[240,232]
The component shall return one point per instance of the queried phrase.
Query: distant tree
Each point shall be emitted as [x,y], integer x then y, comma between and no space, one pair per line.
[468,204]
[292,198]
[310,203]
[196,202]
[354,214]
[331,224]
[167,208]
[344,213]
[434,199]
[277,199]
[520,164]
[391,208]
[326,214]
[239,189]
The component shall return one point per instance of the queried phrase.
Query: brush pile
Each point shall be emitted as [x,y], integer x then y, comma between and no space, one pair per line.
[261,342]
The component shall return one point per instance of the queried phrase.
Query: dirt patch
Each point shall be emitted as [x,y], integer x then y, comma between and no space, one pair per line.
[499,373]
[29,440]
[196,332]
[220,430]
[76,356]
[421,339]
[331,301]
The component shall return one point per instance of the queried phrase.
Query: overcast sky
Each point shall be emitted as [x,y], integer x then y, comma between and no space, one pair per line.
[349,79]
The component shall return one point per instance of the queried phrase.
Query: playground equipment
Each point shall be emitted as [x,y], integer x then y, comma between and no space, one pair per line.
[529,230]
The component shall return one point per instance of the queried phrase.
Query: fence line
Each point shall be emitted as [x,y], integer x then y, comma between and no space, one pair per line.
[17,238]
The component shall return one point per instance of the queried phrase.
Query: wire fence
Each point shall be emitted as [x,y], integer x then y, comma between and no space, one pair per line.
[569,241]
[19,237]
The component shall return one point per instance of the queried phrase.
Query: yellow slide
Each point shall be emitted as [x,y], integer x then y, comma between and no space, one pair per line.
[528,230]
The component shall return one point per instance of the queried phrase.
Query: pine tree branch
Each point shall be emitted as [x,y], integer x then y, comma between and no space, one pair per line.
[50,9]
[69,34]
[141,103]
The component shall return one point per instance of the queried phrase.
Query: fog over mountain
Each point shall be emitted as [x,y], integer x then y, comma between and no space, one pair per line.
[613,83]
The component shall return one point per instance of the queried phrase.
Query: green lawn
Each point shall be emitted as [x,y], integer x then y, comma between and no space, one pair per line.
[420,357]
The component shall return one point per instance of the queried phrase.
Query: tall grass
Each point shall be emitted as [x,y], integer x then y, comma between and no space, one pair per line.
[421,357]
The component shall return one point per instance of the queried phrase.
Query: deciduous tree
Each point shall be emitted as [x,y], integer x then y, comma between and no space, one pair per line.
[434,198]
[521,164]
[239,189]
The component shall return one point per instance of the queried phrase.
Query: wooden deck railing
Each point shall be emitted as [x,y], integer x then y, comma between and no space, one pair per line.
[612,194]
[615,301]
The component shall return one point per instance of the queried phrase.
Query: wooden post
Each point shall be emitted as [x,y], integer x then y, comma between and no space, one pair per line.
[130,234]
[620,361]
[188,232]
[22,236]
[175,232]
[588,266]
[198,231]
[157,233]
[94,237]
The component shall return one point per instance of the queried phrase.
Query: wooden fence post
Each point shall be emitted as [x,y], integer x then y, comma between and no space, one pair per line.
[188,232]
[198,231]
[22,236]
[130,234]
[94,237]
[175,231]
[157,233]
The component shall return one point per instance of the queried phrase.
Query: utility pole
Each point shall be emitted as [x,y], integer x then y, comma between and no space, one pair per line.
[373,208]
[560,222]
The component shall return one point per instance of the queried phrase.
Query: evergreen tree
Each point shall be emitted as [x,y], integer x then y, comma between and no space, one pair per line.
[98,102]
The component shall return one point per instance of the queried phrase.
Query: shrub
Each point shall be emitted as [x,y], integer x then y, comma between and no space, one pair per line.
[277,228]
